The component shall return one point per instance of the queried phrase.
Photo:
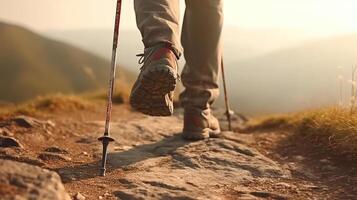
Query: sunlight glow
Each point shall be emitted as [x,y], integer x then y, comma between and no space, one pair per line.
[316,16]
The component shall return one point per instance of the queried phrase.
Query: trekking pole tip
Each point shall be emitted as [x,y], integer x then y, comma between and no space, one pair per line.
[106,139]
[102,171]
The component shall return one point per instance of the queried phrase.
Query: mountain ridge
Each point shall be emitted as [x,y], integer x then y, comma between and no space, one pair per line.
[32,65]
[294,78]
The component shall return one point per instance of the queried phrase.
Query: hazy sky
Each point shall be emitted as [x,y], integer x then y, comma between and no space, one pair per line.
[315,16]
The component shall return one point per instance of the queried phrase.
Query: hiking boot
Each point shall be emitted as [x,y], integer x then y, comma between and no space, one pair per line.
[152,93]
[200,125]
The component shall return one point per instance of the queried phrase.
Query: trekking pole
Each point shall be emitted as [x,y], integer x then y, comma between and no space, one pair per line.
[106,139]
[229,112]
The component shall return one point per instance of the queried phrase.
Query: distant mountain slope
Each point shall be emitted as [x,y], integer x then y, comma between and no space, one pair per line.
[100,41]
[293,78]
[238,43]
[268,70]
[32,65]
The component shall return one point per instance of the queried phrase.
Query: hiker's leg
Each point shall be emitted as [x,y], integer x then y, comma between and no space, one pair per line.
[158,21]
[202,49]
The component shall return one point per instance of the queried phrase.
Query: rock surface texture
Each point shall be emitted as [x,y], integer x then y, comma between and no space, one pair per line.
[22,181]
[149,160]
[163,166]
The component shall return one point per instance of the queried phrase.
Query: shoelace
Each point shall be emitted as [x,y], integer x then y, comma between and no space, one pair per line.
[141,59]
[147,54]
[144,56]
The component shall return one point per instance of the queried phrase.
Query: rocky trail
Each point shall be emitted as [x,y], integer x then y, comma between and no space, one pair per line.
[56,156]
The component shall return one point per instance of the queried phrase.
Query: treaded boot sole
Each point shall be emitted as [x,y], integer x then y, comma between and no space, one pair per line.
[151,95]
[196,135]
[201,135]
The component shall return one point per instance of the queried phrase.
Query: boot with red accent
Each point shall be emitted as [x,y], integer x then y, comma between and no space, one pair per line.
[199,125]
[152,93]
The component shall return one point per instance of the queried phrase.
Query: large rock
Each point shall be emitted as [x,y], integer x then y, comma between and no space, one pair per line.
[161,165]
[23,181]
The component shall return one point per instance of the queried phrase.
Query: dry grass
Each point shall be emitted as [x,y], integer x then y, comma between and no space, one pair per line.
[121,93]
[66,103]
[333,129]
[52,103]
[269,122]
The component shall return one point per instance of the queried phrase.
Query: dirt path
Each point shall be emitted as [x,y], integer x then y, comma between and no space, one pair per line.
[149,160]
[332,177]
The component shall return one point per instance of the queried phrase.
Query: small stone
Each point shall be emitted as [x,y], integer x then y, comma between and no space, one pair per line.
[79,196]
[329,167]
[312,187]
[136,144]
[85,141]
[85,153]
[46,156]
[100,197]
[6,132]
[15,154]
[125,181]
[9,142]
[282,184]
[50,123]
[325,160]
[122,148]
[299,158]
[30,122]
[56,150]
[26,122]
[285,157]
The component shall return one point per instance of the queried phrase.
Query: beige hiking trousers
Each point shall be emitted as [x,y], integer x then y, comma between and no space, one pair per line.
[158,21]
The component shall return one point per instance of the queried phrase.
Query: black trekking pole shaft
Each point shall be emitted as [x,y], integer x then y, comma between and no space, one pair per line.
[106,139]
[228,110]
